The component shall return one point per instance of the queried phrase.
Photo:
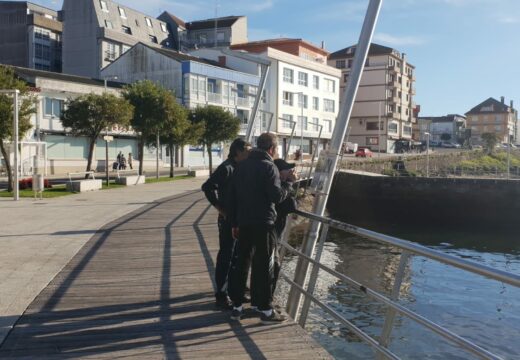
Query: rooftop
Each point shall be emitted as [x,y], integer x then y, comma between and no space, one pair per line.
[280,41]
[221,22]
[174,18]
[375,49]
[490,106]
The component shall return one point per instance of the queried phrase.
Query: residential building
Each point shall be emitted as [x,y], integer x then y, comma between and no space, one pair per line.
[97,32]
[30,36]
[493,116]
[450,128]
[176,27]
[195,81]
[300,88]
[384,110]
[217,32]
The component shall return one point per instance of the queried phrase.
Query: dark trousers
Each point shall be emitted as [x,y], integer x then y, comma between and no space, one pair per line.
[258,243]
[225,258]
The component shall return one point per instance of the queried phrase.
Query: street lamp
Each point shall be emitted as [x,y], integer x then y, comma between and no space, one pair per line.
[16,187]
[379,131]
[107,139]
[427,154]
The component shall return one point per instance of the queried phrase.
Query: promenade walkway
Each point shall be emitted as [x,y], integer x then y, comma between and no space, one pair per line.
[142,288]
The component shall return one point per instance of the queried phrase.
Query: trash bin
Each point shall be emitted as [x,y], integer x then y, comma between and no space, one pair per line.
[38,183]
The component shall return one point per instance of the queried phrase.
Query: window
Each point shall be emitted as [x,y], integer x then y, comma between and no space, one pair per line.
[124,48]
[42,52]
[212,85]
[328,105]
[136,22]
[103,5]
[241,91]
[303,123]
[303,79]
[243,116]
[53,107]
[44,67]
[498,128]
[42,34]
[392,128]
[372,125]
[122,12]
[148,22]
[287,98]
[372,140]
[316,124]
[340,64]
[153,39]
[203,38]
[315,103]
[345,77]
[287,121]
[126,30]
[288,75]
[316,82]
[350,62]
[302,101]
[108,24]
[164,28]
[327,125]
[330,85]
[221,36]
[111,52]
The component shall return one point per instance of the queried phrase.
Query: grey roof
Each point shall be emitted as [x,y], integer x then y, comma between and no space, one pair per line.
[375,49]
[210,23]
[174,18]
[28,74]
[489,106]
[175,55]
[440,119]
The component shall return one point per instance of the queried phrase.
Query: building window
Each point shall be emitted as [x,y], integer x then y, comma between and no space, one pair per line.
[288,75]
[327,125]
[315,103]
[345,77]
[373,125]
[498,128]
[303,123]
[111,52]
[164,28]
[330,85]
[340,64]
[212,86]
[303,79]
[42,52]
[42,34]
[148,22]
[287,121]
[125,48]
[350,62]
[287,98]
[53,107]
[221,36]
[126,30]
[153,39]
[136,22]
[302,101]
[372,140]
[103,5]
[122,12]
[203,38]
[109,24]
[44,67]
[407,130]
[328,105]
[315,124]
[243,116]
[316,82]
[392,128]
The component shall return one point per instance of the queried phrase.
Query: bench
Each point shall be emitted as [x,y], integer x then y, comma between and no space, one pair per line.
[131,179]
[84,185]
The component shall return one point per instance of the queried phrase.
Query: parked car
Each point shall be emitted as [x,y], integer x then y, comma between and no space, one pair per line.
[450,145]
[364,152]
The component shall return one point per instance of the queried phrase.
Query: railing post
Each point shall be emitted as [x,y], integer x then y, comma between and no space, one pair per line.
[314,276]
[390,315]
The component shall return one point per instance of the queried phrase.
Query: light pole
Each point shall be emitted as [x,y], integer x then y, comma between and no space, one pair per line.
[427,154]
[106,78]
[379,131]
[16,185]
[508,156]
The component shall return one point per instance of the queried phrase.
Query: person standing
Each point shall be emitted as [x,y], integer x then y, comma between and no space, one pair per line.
[256,189]
[216,191]
[130,161]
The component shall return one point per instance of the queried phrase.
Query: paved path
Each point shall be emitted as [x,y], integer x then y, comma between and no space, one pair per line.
[38,238]
[142,288]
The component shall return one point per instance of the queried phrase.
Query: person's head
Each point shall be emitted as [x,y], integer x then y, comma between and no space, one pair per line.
[239,150]
[268,142]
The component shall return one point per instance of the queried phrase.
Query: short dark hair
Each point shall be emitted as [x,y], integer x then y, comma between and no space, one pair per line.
[267,141]
[238,145]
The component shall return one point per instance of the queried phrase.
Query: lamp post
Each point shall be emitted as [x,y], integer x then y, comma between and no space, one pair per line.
[106,78]
[379,132]
[16,187]
[508,156]
[427,154]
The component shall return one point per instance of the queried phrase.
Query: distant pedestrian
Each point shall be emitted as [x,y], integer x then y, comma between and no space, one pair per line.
[122,164]
[216,190]
[130,161]
[256,189]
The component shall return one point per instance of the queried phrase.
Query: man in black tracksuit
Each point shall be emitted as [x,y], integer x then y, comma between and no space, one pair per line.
[216,191]
[256,189]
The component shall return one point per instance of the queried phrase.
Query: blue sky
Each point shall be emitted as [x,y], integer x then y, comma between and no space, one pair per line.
[464,50]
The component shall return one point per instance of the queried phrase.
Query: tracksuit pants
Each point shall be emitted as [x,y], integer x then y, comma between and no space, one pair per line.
[225,258]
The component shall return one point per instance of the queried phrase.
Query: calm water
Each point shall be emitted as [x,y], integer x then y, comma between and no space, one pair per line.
[481,310]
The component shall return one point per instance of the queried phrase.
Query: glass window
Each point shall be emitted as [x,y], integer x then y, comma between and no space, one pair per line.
[153,39]
[126,30]
[340,64]
[288,75]
[328,105]
[302,101]
[316,82]
[303,123]
[148,22]
[315,103]
[103,5]
[212,85]
[327,125]
[122,12]
[108,24]
[164,28]
[303,79]
[373,125]
[287,121]
[111,52]
[203,38]
[316,124]
[42,52]
[287,98]
[53,107]
[392,128]
[407,130]
[221,36]
[125,48]
[330,85]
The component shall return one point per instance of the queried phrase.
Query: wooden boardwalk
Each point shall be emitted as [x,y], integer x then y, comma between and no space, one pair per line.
[143,288]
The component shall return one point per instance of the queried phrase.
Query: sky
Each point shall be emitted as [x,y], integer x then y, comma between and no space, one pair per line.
[464,51]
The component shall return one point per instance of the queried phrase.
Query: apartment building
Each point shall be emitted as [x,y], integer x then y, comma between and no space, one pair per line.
[97,32]
[451,127]
[493,116]
[30,36]
[301,88]
[384,110]
[217,32]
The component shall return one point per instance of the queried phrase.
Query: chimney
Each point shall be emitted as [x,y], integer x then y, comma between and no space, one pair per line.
[222,60]
[322,44]
[502,99]
[512,105]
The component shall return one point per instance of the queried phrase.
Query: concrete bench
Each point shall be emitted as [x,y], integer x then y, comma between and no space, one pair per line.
[84,185]
[131,180]
[198,173]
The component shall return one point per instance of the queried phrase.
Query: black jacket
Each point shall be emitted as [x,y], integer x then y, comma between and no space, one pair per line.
[217,186]
[255,190]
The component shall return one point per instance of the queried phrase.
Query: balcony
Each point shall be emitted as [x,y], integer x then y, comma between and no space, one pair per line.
[394,99]
[243,102]
[394,83]
[394,68]
[393,115]
[214,98]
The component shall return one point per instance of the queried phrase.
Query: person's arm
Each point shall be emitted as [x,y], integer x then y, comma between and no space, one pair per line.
[211,186]
[276,190]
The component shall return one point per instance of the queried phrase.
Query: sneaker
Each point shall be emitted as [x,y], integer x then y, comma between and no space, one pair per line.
[224,303]
[236,314]
[275,318]
[246,299]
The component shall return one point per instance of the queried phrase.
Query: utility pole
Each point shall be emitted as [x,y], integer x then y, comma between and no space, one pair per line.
[107,138]
[158,142]
[15,166]
[427,154]
[379,132]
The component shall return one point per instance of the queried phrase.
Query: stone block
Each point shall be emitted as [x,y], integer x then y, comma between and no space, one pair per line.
[198,173]
[85,185]
[131,180]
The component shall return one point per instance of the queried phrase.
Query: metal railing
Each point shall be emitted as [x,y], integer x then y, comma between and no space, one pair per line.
[394,308]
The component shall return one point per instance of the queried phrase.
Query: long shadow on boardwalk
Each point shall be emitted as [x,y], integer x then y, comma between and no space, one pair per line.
[143,287]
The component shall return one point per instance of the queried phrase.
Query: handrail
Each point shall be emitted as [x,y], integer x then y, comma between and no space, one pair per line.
[394,307]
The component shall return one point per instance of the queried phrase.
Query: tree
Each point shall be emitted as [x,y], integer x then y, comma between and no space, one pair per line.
[153,106]
[490,141]
[8,81]
[90,115]
[445,137]
[219,125]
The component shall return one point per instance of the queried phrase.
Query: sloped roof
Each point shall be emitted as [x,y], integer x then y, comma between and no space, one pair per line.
[226,21]
[375,49]
[280,41]
[175,55]
[489,106]
[174,18]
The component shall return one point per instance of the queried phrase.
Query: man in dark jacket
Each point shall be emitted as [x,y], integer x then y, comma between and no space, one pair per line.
[216,191]
[256,189]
